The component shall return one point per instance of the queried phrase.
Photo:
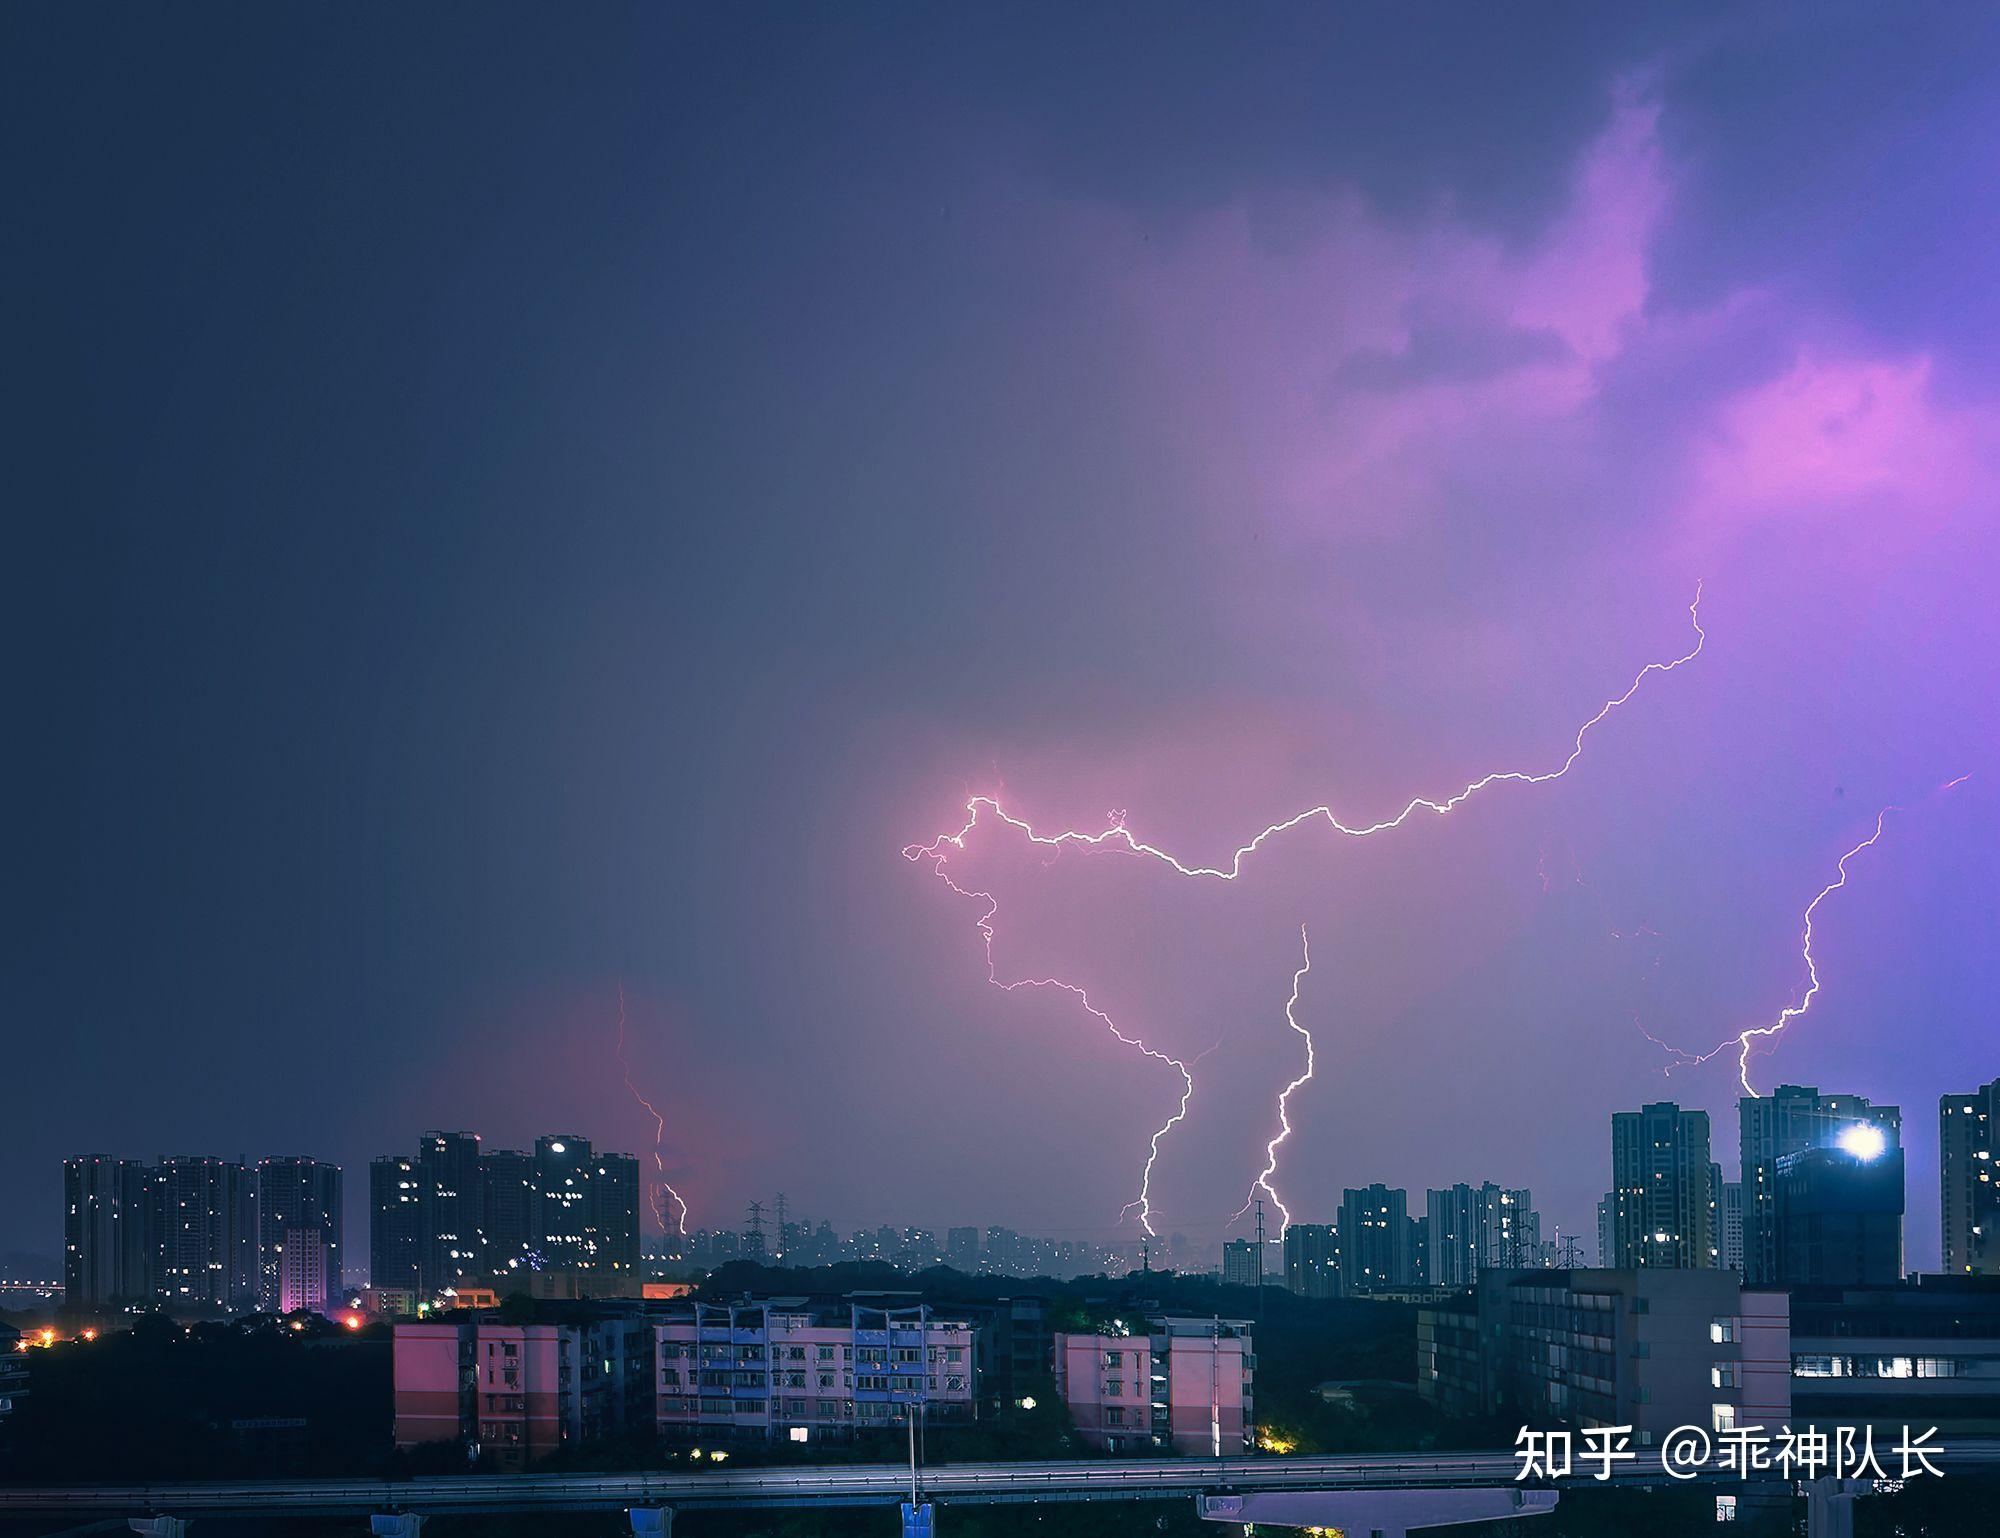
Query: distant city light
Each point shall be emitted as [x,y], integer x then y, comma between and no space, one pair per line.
[557,1148]
[1864,1140]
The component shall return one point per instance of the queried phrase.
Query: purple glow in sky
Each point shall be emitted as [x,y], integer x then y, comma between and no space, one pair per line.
[516,516]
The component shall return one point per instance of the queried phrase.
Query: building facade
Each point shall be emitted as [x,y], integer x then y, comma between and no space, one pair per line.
[1243,1263]
[298,1220]
[1186,1384]
[1377,1248]
[1920,1353]
[208,1233]
[1789,1120]
[1479,1228]
[455,1217]
[1661,1204]
[1312,1260]
[1651,1348]
[1968,1185]
[1729,1243]
[110,1223]
[506,1210]
[801,1370]
[1839,1216]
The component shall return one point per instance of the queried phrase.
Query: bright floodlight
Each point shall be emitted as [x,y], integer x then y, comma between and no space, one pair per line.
[1863,1140]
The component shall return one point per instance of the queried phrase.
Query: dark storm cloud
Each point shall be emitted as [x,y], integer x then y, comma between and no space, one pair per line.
[506,505]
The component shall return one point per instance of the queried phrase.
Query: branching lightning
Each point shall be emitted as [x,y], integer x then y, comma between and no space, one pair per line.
[1118,835]
[1143,1203]
[1263,1180]
[660,1183]
[1743,1039]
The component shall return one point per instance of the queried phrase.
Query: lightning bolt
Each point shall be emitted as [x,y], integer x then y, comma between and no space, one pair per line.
[1143,1203]
[1743,1039]
[653,1188]
[1263,1180]
[1117,834]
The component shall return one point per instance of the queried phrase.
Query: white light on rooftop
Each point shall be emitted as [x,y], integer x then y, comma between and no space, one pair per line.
[1864,1140]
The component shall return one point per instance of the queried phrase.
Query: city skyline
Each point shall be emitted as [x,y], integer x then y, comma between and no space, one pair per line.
[513,565]
[460,1213]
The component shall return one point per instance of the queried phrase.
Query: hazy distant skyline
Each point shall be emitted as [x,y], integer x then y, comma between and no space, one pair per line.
[516,506]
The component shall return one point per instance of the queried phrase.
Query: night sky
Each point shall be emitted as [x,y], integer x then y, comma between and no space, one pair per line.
[506,505]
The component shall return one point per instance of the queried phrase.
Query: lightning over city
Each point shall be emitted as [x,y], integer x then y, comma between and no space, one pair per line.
[1402,579]
[1744,1041]
[659,1181]
[1270,1169]
[1119,836]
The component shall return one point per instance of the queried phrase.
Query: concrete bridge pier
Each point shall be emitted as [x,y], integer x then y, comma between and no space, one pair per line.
[1375,1513]
[1830,1506]
[650,1521]
[396,1524]
[158,1527]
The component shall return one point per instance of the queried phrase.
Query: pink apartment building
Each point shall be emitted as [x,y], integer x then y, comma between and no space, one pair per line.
[802,1371]
[1184,1384]
[515,1389]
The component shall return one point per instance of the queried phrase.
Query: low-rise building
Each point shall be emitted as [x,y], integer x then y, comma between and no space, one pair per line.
[1920,1353]
[1186,1384]
[514,1393]
[1651,1348]
[432,1375]
[802,1370]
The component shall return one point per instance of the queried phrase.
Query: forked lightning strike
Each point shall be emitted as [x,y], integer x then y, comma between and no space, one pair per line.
[1263,1180]
[653,1188]
[1743,1039]
[1118,835]
[1144,1201]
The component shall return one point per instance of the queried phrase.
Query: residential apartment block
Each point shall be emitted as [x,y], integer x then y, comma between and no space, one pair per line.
[1186,1384]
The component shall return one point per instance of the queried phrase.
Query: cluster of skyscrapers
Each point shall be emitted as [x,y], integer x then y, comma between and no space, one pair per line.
[200,1233]
[1379,1247]
[991,1251]
[457,1215]
[1821,1200]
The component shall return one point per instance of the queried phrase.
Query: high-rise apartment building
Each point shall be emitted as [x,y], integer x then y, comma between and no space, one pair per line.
[1789,1120]
[1969,1180]
[1660,1188]
[1730,1243]
[1840,1213]
[1376,1248]
[296,1198]
[395,1223]
[563,1213]
[1312,1260]
[107,1228]
[208,1233]
[506,1209]
[1480,1228]
[455,1215]
[305,1269]
[614,1214]
[1243,1263]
